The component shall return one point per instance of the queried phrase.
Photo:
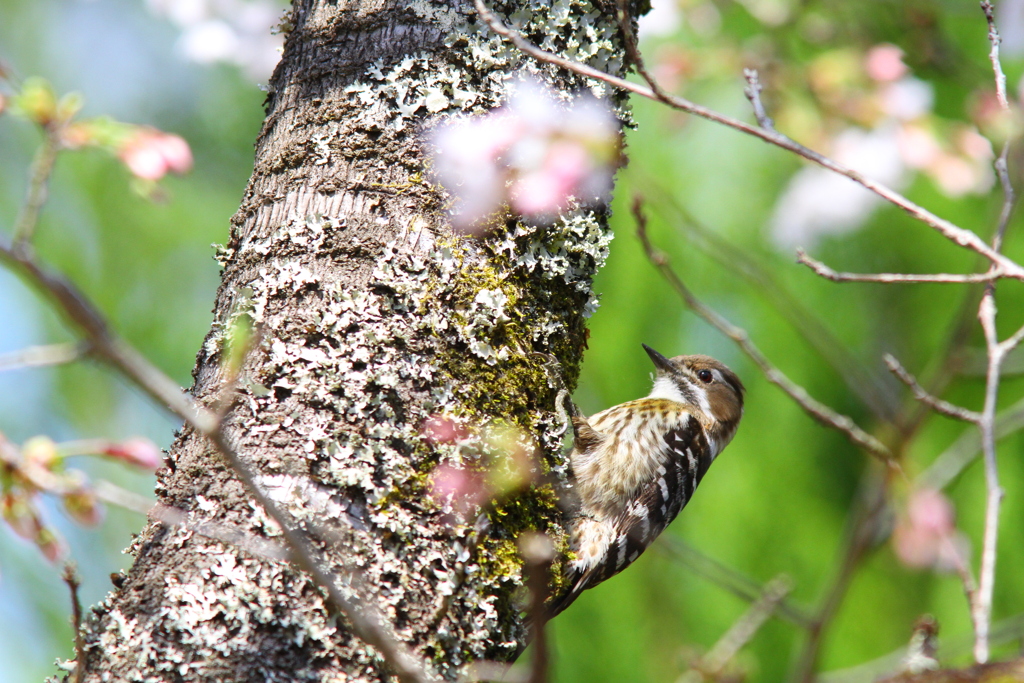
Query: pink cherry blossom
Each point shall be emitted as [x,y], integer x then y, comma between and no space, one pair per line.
[535,155]
[884,63]
[441,429]
[150,154]
[925,534]
[462,489]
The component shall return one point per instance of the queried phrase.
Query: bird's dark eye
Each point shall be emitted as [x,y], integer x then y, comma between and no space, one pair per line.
[705,376]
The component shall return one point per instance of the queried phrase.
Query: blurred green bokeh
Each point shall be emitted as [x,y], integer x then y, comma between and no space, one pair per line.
[778,501]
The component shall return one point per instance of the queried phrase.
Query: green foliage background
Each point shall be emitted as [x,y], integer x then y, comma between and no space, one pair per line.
[778,501]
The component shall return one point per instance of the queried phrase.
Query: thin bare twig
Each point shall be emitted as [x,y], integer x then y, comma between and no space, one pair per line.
[962,567]
[981,606]
[1004,631]
[1009,196]
[870,385]
[980,594]
[39,178]
[944,407]
[77,308]
[891,278]
[41,356]
[1012,342]
[962,452]
[993,55]
[948,362]
[737,583]
[713,665]
[633,55]
[128,500]
[70,576]
[961,236]
[811,406]
[863,534]
[538,553]
[753,93]
[740,633]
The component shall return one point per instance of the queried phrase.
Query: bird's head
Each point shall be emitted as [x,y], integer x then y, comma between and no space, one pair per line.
[704,383]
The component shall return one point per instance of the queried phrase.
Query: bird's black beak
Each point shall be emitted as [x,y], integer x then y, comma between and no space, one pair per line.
[659,360]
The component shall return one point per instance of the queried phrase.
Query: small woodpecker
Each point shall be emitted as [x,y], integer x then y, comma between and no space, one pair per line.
[637,464]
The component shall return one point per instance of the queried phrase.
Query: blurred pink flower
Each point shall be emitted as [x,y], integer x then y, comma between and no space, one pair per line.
[818,202]
[83,507]
[975,145]
[150,154]
[534,154]
[246,34]
[441,429]
[907,99]
[955,176]
[884,63]
[20,514]
[672,66]
[463,489]
[138,451]
[925,534]
[917,145]
[546,188]
[50,544]
[966,169]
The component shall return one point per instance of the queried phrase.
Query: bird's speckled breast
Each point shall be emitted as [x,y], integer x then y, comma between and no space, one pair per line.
[628,456]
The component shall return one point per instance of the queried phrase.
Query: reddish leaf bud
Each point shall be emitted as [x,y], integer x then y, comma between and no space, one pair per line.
[138,451]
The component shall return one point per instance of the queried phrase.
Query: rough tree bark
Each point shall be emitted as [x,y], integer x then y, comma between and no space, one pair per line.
[375,317]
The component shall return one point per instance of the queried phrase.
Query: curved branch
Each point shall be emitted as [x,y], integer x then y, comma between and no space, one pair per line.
[819,411]
[949,230]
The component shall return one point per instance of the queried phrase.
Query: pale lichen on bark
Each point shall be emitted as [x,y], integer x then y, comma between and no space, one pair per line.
[374,317]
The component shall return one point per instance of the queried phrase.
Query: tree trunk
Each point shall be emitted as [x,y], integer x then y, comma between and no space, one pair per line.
[375,317]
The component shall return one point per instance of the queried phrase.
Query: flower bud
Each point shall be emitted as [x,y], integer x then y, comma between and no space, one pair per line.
[83,507]
[138,451]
